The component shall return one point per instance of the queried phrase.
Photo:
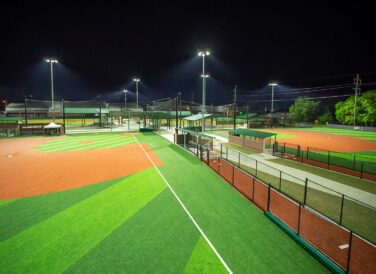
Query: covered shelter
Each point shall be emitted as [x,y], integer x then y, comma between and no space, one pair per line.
[193,120]
[254,139]
[53,129]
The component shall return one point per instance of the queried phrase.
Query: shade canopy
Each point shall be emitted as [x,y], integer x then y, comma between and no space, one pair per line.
[196,117]
[252,133]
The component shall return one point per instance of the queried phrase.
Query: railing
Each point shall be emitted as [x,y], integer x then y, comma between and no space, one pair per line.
[355,165]
[330,221]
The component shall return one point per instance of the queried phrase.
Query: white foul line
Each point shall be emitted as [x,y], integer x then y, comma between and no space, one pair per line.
[186,210]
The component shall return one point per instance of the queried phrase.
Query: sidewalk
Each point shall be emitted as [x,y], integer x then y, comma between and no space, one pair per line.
[300,177]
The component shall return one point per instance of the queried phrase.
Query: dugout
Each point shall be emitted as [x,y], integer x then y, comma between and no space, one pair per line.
[254,139]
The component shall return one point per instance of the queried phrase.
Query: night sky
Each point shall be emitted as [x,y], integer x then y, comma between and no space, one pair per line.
[100,47]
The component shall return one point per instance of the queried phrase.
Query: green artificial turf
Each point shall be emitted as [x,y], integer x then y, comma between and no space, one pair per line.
[20,214]
[244,237]
[76,142]
[371,136]
[54,244]
[135,225]
[157,239]
[199,262]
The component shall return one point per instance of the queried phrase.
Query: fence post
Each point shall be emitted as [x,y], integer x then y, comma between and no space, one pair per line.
[361,171]
[284,148]
[328,160]
[226,153]
[354,162]
[253,189]
[233,175]
[239,161]
[201,152]
[341,213]
[256,169]
[298,152]
[300,213]
[280,180]
[307,152]
[305,191]
[207,156]
[267,208]
[349,253]
[221,151]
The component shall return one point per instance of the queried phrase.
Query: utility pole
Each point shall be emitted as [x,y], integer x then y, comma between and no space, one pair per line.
[357,83]
[179,98]
[235,106]
[192,100]
[247,116]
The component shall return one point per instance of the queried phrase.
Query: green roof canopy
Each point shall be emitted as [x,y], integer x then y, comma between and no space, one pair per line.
[85,110]
[244,116]
[196,117]
[252,133]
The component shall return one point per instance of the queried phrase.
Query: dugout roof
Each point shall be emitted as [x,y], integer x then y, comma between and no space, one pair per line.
[252,133]
[196,117]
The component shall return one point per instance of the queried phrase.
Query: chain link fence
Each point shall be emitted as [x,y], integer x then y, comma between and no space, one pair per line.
[355,165]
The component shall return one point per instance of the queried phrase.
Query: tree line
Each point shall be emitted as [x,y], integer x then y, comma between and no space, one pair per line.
[312,111]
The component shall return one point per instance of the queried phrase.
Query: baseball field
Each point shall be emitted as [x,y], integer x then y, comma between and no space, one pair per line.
[130,202]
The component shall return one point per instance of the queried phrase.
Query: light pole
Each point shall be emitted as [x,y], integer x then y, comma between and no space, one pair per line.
[52,61]
[272,85]
[136,80]
[204,76]
[125,98]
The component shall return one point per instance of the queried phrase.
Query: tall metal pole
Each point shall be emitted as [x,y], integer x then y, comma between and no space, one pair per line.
[357,82]
[52,86]
[203,93]
[235,107]
[137,94]
[272,109]
[125,100]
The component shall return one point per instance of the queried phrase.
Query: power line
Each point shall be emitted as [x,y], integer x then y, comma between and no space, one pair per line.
[308,98]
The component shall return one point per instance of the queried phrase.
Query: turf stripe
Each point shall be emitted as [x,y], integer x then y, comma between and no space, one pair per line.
[99,143]
[4,202]
[24,213]
[73,142]
[54,244]
[186,210]
[157,239]
[203,260]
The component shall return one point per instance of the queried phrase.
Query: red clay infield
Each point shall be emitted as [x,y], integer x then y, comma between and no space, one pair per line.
[332,142]
[27,172]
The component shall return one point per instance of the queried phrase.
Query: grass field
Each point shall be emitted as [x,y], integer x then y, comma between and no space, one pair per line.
[348,132]
[134,224]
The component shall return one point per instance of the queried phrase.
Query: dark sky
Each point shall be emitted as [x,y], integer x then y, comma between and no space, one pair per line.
[101,46]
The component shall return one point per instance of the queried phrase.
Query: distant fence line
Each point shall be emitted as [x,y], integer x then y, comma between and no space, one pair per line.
[355,165]
[361,128]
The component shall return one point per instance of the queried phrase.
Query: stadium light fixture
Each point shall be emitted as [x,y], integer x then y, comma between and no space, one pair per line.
[136,80]
[203,76]
[52,61]
[273,84]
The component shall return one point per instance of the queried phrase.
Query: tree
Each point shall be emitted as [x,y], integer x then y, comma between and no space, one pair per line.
[365,109]
[304,110]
